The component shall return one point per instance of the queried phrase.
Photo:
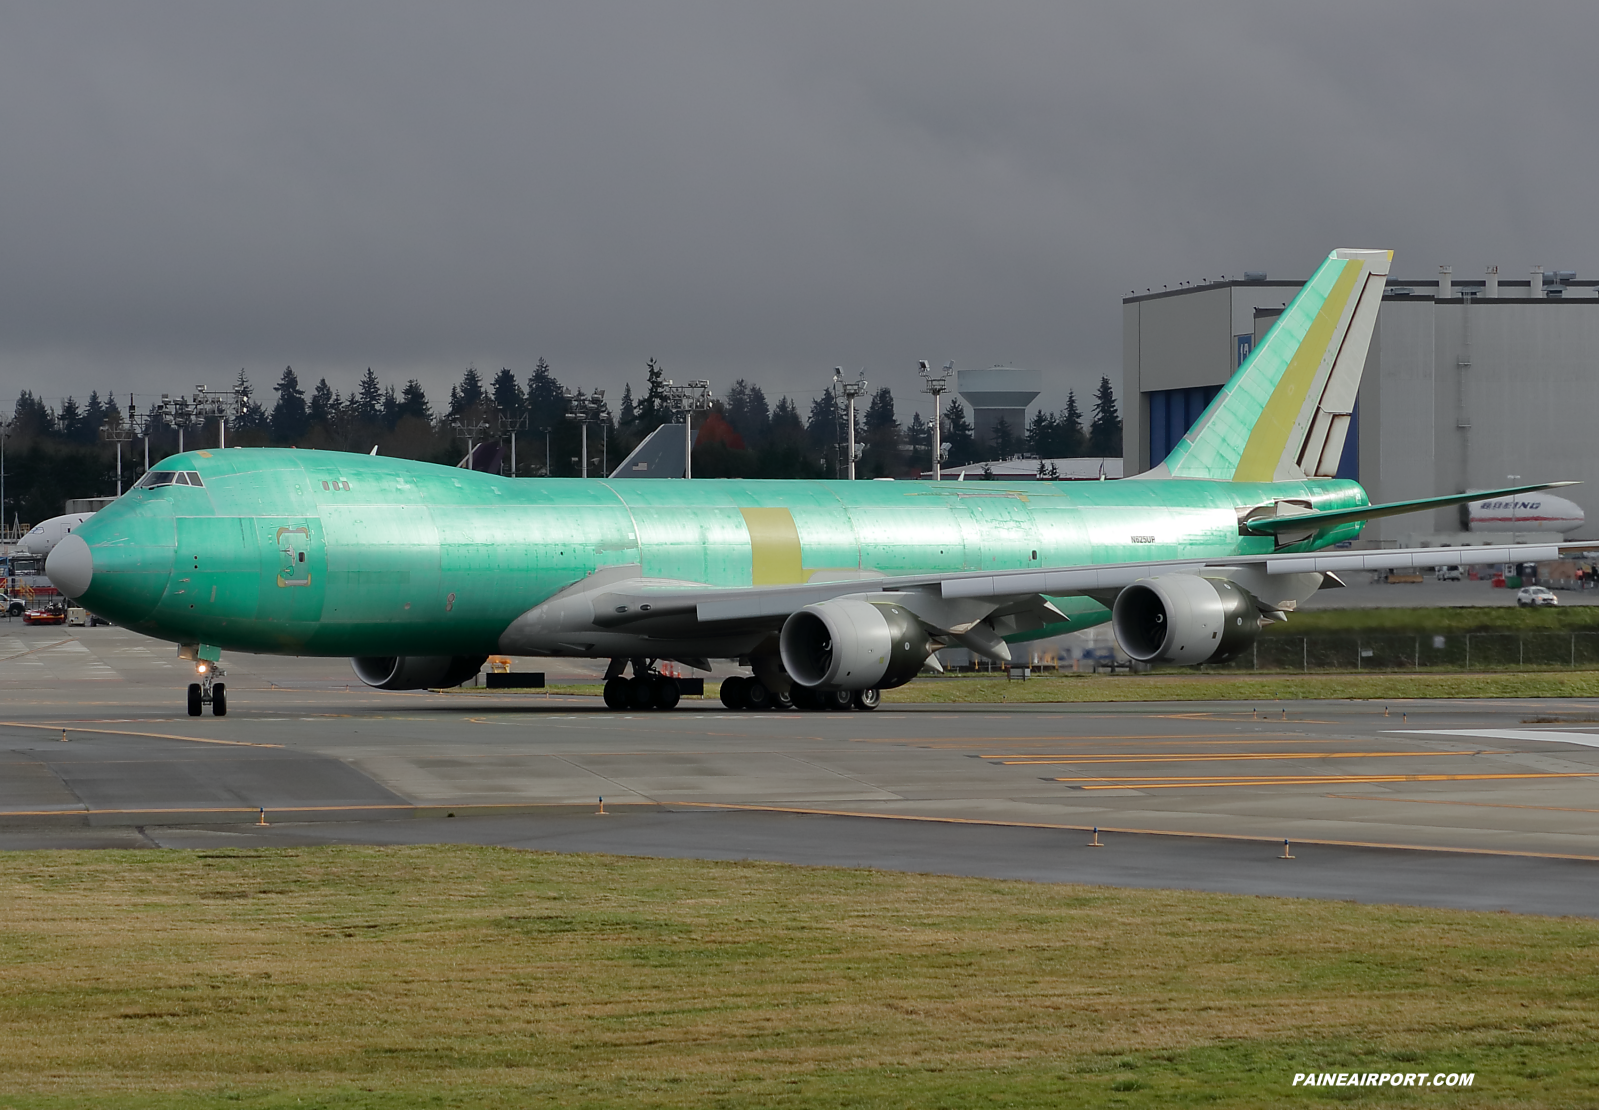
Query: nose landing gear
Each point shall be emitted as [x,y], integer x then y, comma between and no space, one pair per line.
[208,691]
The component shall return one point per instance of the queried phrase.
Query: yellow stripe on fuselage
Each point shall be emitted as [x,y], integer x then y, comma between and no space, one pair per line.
[1269,439]
[774,547]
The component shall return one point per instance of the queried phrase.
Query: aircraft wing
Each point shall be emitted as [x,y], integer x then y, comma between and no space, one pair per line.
[976,609]
[623,601]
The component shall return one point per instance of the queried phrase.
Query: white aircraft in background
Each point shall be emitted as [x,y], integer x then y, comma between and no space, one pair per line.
[43,538]
[1525,512]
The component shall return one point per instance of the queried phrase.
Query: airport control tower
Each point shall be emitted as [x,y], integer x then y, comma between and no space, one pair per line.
[1001,391]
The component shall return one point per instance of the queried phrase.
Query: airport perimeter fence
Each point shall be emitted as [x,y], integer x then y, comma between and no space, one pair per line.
[1465,651]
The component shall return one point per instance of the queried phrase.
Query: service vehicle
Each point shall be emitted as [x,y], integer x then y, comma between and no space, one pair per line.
[1536,595]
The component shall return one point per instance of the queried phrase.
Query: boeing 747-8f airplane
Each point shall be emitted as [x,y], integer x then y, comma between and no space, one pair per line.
[829,591]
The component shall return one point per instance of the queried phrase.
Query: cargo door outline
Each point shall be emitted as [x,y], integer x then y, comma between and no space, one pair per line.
[293,544]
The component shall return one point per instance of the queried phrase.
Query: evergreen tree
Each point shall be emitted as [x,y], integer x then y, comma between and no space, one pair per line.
[748,413]
[94,415]
[656,407]
[1073,443]
[414,403]
[324,406]
[826,430]
[1003,439]
[883,454]
[391,407]
[1043,434]
[369,399]
[507,394]
[70,420]
[1105,433]
[625,415]
[546,400]
[957,432]
[289,418]
[32,417]
[251,416]
[786,419]
[919,437]
[470,393]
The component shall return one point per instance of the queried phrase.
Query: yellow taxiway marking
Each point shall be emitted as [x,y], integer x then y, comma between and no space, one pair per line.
[146,735]
[1103,829]
[1044,761]
[1172,782]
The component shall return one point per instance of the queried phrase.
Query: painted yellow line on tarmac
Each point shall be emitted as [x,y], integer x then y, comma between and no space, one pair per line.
[1170,782]
[146,735]
[1044,761]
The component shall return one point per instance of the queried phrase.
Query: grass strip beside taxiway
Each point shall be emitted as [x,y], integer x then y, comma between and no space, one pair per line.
[461,976]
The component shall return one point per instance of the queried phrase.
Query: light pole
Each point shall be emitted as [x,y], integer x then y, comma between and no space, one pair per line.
[851,390]
[689,398]
[220,403]
[468,428]
[937,387]
[587,410]
[115,431]
[513,424]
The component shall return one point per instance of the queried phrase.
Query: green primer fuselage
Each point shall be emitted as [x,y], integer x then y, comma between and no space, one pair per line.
[326,553]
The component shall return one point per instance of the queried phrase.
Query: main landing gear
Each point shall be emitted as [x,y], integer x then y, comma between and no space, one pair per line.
[647,689]
[208,691]
[741,692]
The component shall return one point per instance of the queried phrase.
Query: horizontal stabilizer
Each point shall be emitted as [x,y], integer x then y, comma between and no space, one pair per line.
[1315,522]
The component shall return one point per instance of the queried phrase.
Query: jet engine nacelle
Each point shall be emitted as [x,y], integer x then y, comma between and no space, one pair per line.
[853,645]
[416,672]
[1183,618]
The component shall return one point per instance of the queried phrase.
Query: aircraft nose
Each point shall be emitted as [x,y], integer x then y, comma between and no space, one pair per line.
[70,566]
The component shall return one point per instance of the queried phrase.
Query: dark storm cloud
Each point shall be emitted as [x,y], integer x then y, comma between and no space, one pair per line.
[738,191]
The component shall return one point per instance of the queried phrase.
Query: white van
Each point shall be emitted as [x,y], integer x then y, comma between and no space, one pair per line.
[1448,574]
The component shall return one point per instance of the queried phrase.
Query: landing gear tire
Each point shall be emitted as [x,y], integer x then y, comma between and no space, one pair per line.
[616,691]
[665,693]
[756,695]
[639,694]
[838,699]
[194,699]
[803,697]
[783,701]
[868,699]
[219,700]
[733,691]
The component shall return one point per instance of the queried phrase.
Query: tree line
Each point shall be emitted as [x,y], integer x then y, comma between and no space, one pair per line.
[53,454]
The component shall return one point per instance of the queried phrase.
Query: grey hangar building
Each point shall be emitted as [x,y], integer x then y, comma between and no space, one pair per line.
[1469,384]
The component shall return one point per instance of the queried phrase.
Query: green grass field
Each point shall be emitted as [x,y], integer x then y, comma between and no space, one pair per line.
[1447,621]
[471,977]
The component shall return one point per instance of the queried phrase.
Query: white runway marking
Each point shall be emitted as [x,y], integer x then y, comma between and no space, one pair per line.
[1586,739]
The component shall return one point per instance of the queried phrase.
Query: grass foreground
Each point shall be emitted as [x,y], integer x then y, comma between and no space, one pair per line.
[475,977]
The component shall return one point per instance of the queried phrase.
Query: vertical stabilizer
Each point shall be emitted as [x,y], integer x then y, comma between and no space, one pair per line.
[1285,413]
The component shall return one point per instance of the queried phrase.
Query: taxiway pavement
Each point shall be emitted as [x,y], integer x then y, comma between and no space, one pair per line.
[1483,804]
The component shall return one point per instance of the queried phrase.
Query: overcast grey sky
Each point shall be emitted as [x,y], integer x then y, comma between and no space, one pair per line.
[762,191]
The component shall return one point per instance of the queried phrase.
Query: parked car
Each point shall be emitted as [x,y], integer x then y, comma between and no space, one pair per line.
[12,606]
[1536,595]
[1448,574]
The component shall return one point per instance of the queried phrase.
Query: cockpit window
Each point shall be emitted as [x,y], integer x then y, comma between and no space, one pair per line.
[169,478]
